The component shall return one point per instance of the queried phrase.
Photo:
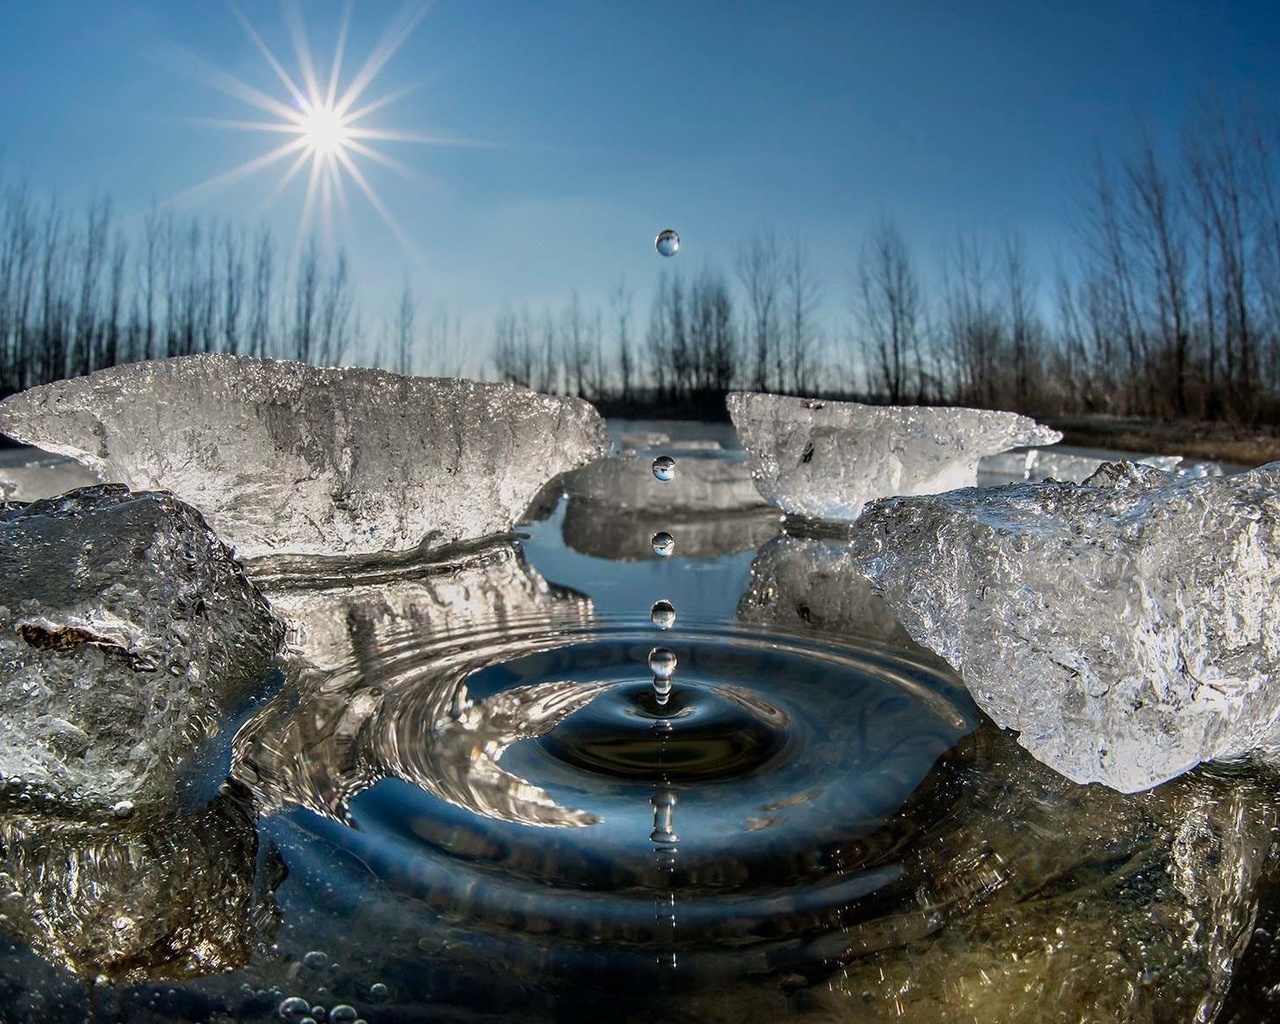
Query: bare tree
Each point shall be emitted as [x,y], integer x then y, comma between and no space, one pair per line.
[405,339]
[888,312]
[759,271]
[620,305]
[801,296]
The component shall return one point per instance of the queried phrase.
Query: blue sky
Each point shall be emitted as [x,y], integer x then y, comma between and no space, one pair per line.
[612,120]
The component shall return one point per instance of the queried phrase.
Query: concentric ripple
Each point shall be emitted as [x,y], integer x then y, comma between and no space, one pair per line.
[529,787]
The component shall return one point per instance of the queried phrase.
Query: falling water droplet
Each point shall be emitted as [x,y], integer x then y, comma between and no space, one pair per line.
[663,543]
[662,662]
[663,614]
[664,467]
[667,243]
[663,811]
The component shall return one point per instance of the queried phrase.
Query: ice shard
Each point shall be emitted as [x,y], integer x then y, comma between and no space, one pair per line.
[286,459]
[1068,464]
[127,630]
[826,459]
[1126,627]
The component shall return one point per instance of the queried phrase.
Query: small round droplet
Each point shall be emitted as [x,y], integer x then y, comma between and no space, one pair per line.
[124,809]
[662,662]
[378,992]
[343,1013]
[294,1009]
[663,614]
[663,543]
[316,959]
[667,243]
[664,467]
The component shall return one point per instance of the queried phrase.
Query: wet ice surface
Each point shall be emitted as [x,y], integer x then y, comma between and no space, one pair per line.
[126,632]
[285,459]
[827,459]
[1126,627]
[424,856]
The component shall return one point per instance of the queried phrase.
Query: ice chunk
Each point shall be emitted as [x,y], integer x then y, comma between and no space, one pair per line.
[138,900]
[1070,464]
[126,631]
[826,459]
[616,505]
[29,475]
[1126,627]
[810,584]
[289,459]
[380,689]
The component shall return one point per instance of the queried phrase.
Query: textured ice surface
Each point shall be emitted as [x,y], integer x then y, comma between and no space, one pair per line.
[27,475]
[134,901]
[812,584]
[289,459]
[380,689]
[1128,627]
[827,459]
[126,630]
[1067,465]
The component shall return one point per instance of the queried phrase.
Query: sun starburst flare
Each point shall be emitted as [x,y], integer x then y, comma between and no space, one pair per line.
[327,125]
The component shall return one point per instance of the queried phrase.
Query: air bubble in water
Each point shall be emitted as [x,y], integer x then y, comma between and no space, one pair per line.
[343,1013]
[667,243]
[663,543]
[664,467]
[294,1009]
[663,614]
[124,809]
[378,992]
[316,959]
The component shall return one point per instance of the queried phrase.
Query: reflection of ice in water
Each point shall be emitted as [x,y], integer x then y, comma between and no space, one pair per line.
[667,243]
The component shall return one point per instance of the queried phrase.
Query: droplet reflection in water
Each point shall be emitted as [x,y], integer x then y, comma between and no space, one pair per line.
[663,614]
[667,243]
[664,467]
[663,544]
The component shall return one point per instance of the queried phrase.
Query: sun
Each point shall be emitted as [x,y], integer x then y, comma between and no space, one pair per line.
[324,130]
[328,129]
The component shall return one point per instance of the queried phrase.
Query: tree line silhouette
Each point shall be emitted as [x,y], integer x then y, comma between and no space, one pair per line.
[1169,306]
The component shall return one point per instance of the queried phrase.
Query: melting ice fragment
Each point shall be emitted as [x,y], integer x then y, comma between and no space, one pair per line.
[126,630]
[1125,627]
[827,459]
[290,459]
